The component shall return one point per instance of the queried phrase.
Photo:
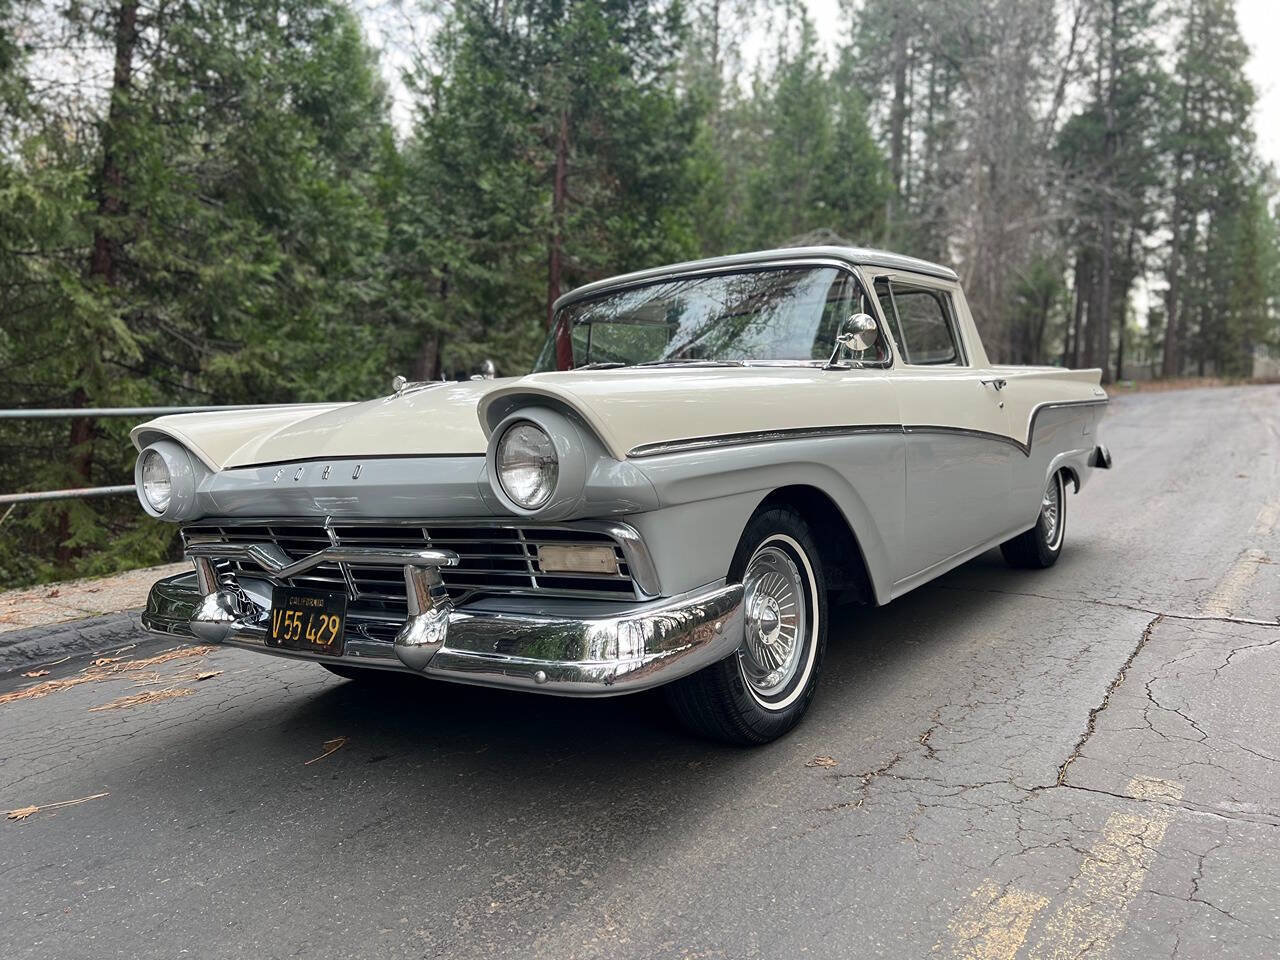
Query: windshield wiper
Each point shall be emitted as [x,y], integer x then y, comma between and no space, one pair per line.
[601,365]
[675,362]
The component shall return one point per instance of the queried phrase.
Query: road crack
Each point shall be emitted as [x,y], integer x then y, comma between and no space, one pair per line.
[1117,605]
[1092,722]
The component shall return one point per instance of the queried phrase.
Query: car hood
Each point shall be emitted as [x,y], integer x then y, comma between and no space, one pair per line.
[626,408]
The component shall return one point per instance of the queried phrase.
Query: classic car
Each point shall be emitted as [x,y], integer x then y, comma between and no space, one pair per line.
[706,458]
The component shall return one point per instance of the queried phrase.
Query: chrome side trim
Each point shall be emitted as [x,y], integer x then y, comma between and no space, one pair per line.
[802,433]
[278,563]
[754,436]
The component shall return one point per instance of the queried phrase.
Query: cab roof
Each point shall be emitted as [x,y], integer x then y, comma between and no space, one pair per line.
[861,256]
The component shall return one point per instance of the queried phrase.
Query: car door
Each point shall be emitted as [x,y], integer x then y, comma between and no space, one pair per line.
[958,450]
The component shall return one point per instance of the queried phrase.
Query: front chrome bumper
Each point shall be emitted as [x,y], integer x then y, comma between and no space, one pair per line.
[613,651]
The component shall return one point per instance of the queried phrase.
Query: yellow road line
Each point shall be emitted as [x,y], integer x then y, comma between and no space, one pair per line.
[1234,587]
[1267,519]
[994,923]
[1094,912]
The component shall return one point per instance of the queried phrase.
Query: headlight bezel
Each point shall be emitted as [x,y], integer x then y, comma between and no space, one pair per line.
[571,451]
[152,464]
[184,476]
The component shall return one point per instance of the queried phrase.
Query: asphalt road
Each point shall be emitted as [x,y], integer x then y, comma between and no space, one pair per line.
[1080,762]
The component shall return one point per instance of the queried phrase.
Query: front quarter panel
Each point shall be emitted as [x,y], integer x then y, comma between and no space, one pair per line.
[709,495]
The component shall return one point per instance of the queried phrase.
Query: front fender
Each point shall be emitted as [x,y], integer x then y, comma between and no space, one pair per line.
[708,496]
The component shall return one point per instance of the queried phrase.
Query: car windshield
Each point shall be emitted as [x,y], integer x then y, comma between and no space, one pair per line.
[782,314]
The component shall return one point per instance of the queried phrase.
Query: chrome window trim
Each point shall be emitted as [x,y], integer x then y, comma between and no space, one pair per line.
[947,302]
[845,266]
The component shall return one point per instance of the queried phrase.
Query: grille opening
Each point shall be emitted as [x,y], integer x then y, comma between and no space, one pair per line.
[493,560]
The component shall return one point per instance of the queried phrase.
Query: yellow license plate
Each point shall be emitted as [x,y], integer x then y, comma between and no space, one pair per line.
[308,620]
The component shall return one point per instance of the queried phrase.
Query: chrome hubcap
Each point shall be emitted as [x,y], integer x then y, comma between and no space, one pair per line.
[1051,510]
[776,621]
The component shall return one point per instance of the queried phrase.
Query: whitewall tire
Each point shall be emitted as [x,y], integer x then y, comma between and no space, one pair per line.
[765,687]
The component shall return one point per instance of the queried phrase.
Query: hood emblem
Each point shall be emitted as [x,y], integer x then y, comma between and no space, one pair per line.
[297,475]
[279,474]
[355,474]
[327,468]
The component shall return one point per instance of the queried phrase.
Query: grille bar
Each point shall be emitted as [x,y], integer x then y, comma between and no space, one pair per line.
[493,560]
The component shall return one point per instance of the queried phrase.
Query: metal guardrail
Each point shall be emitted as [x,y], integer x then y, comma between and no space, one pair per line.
[68,413]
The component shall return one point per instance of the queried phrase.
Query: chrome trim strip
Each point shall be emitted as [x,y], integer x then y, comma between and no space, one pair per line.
[261,465]
[967,432]
[643,572]
[754,436]
[803,433]
[278,563]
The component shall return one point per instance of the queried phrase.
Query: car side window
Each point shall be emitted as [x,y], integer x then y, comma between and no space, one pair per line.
[921,323]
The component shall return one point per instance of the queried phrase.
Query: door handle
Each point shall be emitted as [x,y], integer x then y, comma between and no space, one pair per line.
[998,382]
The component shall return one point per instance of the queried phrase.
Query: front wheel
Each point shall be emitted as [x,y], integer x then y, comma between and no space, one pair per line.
[761,691]
[1041,546]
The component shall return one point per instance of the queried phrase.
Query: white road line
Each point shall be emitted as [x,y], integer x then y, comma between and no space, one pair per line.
[1097,901]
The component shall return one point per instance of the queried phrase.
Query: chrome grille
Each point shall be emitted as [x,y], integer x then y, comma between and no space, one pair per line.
[493,559]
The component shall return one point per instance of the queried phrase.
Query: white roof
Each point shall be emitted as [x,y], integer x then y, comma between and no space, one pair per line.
[855,255]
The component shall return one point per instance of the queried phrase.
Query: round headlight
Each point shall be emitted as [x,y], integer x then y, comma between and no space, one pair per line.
[157,484]
[527,465]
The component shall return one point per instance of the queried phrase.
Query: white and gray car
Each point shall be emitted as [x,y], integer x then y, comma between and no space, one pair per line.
[706,459]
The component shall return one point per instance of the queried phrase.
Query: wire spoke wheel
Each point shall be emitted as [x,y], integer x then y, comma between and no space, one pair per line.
[1051,510]
[776,621]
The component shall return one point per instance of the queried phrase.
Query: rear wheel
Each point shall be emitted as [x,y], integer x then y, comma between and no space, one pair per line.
[762,690]
[1040,546]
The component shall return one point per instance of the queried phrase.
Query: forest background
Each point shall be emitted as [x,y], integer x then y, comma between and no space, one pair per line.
[247,201]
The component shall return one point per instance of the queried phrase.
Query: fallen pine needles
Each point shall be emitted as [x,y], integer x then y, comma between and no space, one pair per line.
[21,813]
[142,699]
[103,668]
[330,746]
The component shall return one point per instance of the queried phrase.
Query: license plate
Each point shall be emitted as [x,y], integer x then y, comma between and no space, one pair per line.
[308,620]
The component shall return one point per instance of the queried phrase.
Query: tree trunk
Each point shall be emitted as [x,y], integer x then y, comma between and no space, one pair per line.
[1071,351]
[1092,320]
[1108,200]
[1128,256]
[427,364]
[104,252]
[559,192]
[104,257]
[898,112]
[1169,365]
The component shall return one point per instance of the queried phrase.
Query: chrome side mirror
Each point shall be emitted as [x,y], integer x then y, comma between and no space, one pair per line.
[857,333]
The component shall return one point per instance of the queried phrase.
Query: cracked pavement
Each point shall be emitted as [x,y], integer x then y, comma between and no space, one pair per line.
[1079,762]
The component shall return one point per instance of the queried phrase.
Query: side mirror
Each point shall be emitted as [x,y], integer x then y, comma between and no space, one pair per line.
[858,333]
